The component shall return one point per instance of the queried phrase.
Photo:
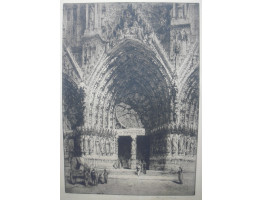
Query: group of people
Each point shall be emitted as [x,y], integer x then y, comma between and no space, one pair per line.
[94,178]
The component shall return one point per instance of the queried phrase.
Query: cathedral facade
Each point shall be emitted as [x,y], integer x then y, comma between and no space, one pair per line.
[130,84]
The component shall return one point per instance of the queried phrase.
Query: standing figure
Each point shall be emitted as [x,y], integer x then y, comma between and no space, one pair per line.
[138,169]
[94,177]
[101,179]
[105,175]
[144,166]
[180,175]
[87,176]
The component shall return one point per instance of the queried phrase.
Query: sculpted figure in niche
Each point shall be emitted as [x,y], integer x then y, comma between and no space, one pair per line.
[120,34]
[86,144]
[195,147]
[125,28]
[184,35]
[108,146]
[133,149]
[89,145]
[81,143]
[180,144]
[184,145]
[168,146]
[175,144]
[71,145]
[97,149]
[92,147]
[134,28]
[112,145]
[102,146]
[191,149]
[97,143]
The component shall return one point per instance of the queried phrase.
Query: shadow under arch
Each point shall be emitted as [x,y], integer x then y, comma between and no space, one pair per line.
[131,67]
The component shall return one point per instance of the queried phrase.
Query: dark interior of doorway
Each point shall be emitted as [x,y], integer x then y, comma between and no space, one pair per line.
[143,149]
[124,151]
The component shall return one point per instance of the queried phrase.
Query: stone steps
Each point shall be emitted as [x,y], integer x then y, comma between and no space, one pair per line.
[131,172]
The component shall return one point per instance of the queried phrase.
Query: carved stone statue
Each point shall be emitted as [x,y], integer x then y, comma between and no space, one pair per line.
[91,145]
[125,28]
[107,146]
[112,145]
[102,146]
[133,149]
[71,145]
[180,144]
[97,146]
[191,148]
[134,28]
[168,146]
[175,144]
[188,144]
[81,143]
[86,144]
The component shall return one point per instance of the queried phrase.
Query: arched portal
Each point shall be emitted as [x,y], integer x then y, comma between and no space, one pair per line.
[188,98]
[133,75]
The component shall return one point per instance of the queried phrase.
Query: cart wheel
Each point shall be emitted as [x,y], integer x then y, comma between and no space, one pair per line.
[72,179]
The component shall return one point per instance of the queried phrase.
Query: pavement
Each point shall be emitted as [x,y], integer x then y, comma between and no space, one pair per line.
[146,184]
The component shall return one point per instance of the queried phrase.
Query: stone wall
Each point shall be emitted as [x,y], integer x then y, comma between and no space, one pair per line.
[169,151]
[94,150]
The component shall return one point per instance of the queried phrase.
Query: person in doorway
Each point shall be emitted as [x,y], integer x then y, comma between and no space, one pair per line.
[138,169]
[144,166]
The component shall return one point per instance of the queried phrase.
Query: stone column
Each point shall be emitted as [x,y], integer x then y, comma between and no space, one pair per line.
[116,144]
[96,16]
[87,19]
[99,16]
[133,152]
[174,10]
[65,19]
[78,25]
[186,10]
[71,21]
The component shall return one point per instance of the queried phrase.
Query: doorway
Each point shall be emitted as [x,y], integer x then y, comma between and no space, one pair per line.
[143,149]
[124,151]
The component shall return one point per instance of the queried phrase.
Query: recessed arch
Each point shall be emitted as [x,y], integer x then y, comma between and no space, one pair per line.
[131,64]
